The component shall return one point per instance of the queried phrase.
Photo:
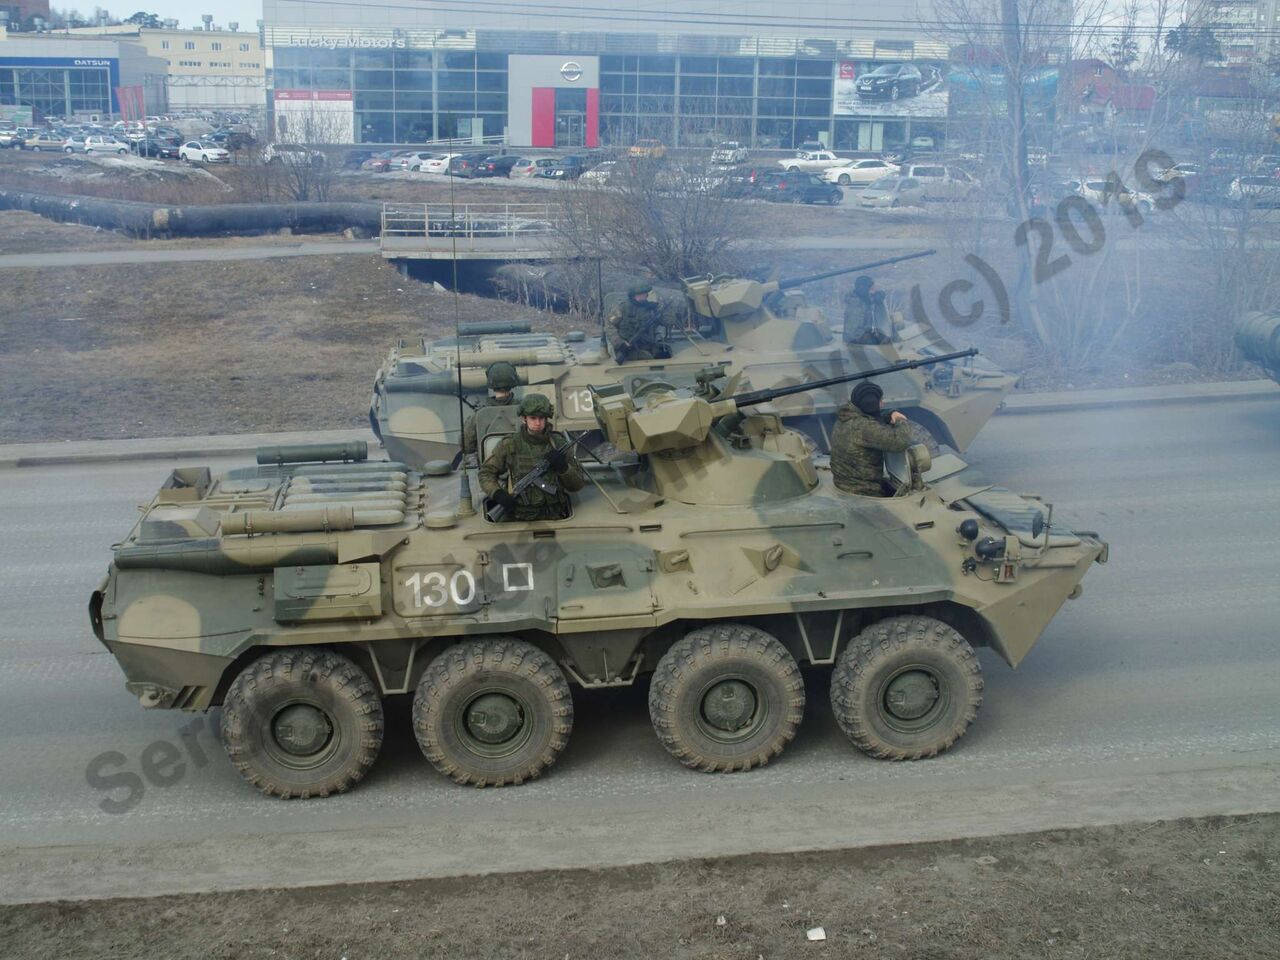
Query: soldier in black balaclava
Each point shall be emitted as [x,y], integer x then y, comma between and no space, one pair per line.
[861,438]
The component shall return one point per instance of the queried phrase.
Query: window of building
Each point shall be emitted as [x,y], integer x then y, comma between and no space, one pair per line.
[244,48]
[190,63]
[252,66]
[164,44]
[189,45]
[215,46]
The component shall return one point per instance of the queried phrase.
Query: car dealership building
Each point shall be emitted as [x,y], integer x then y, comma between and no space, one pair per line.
[562,74]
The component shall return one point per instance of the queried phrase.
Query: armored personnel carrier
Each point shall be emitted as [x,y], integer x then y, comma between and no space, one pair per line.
[712,557]
[764,330]
[1258,338]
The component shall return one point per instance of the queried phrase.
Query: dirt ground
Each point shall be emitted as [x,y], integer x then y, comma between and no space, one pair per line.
[1193,889]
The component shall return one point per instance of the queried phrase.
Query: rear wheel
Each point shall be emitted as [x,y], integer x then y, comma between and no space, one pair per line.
[727,697]
[906,688]
[492,712]
[302,723]
[35,149]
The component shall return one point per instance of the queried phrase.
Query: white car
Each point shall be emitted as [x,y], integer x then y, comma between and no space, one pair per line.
[439,163]
[859,173]
[1257,191]
[531,166]
[1102,191]
[810,161]
[941,182]
[193,151]
[412,160]
[99,143]
[601,173]
[730,153]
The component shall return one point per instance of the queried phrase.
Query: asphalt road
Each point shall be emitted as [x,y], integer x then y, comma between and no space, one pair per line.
[1155,695]
[151,255]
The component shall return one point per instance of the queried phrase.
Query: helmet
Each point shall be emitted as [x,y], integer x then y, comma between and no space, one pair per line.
[502,376]
[638,288]
[536,405]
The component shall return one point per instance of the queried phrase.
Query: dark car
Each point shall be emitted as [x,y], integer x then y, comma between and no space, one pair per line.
[467,165]
[890,81]
[788,186]
[741,181]
[229,139]
[156,147]
[497,166]
[355,159]
[570,167]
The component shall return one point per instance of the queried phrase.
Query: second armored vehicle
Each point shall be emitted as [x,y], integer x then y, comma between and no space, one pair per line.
[763,330]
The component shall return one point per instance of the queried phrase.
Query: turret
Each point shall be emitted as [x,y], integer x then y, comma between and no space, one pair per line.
[702,448]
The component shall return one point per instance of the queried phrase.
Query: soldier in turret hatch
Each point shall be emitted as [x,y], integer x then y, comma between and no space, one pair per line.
[866,320]
[861,438]
[518,454]
[633,327]
[502,380]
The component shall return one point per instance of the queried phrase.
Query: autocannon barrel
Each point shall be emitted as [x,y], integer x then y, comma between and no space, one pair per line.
[799,281]
[479,328]
[764,396]
[1258,337]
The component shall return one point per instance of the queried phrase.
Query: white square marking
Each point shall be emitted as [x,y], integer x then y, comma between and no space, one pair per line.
[524,580]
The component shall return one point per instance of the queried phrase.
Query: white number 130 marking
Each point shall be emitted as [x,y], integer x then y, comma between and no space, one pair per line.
[434,590]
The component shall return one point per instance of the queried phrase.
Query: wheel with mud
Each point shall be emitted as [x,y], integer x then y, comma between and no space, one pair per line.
[727,697]
[492,712]
[302,723]
[906,688]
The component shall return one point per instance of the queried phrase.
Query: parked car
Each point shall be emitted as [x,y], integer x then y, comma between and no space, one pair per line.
[859,173]
[730,153]
[790,186]
[530,166]
[294,153]
[651,149]
[11,139]
[104,143]
[197,151]
[569,167]
[379,162]
[497,166]
[890,81]
[810,146]
[942,181]
[466,165]
[1102,191]
[231,139]
[810,161]
[439,163]
[354,159]
[893,191]
[75,143]
[412,160]
[1255,191]
[45,140]
[152,147]
[600,173]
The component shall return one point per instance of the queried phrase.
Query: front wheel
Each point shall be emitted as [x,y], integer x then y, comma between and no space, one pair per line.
[492,712]
[122,152]
[35,149]
[302,723]
[68,150]
[793,169]
[906,688]
[727,697]
[845,180]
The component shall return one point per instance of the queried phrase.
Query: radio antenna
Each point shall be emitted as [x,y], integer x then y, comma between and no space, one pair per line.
[465,507]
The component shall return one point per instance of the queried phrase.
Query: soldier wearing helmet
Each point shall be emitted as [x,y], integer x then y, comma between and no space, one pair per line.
[518,453]
[503,380]
[633,326]
[861,438]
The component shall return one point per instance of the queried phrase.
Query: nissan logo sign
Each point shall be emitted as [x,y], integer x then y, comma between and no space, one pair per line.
[571,71]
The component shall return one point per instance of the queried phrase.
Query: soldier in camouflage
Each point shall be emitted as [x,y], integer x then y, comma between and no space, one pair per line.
[633,327]
[518,453]
[865,316]
[861,438]
[503,380]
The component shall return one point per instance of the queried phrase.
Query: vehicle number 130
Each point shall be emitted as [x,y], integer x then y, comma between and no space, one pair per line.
[435,589]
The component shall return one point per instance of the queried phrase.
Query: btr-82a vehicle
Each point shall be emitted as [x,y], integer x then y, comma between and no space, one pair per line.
[763,330]
[711,556]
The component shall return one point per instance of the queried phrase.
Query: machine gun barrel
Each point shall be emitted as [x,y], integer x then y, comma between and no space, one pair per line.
[764,396]
[799,281]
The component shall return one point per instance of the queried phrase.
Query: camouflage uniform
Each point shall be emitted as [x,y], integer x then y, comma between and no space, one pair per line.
[858,445]
[470,442]
[865,316]
[513,458]
[500,376]
[633,326]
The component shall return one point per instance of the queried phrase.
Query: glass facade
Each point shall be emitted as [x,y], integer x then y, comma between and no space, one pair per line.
[57,91]
[405,95]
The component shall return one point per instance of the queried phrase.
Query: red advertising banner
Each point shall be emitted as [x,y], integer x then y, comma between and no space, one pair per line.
[132,103]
